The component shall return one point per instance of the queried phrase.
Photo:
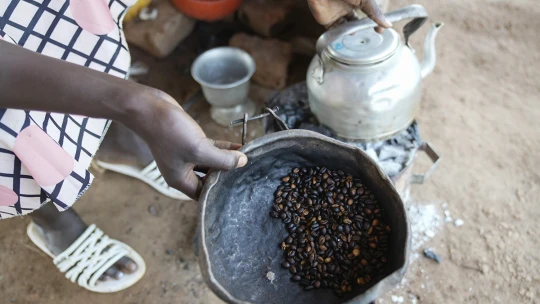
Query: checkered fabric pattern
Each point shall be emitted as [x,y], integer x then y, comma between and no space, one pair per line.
[50,28]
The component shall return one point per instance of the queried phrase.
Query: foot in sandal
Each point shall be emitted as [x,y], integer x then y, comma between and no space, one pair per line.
[58,232]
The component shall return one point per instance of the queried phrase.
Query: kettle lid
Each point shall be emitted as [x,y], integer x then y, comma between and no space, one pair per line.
[364,47]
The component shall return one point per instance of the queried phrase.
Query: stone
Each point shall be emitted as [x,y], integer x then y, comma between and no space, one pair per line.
[303,46]
[155,211]
[159,37]
[272,58]
[447,216]
[266,17]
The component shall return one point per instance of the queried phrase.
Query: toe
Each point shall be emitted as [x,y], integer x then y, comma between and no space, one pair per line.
[104,277]
[126,265]
[114,273]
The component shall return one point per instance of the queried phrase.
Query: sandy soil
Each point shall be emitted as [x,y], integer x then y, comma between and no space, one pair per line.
[481,112]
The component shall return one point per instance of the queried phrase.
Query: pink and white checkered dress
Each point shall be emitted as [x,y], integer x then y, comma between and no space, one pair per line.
[45,156]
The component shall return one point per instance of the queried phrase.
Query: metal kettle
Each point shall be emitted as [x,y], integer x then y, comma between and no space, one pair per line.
[366,86]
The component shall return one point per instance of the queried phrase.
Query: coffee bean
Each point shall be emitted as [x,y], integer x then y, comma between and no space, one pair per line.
[367,225]
[336,232]
[292,269]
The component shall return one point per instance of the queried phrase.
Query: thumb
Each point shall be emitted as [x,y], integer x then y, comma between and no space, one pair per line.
[216,155]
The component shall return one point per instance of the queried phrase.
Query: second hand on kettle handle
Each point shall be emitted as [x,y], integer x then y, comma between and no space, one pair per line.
[416,12]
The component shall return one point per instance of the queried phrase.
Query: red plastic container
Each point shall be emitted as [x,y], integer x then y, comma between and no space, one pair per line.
[207,10]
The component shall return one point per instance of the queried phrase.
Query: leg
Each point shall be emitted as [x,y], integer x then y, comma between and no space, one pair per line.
[61,229]
[122,146]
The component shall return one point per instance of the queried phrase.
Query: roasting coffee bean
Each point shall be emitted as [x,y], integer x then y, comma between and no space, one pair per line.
[337,235]
[292,269]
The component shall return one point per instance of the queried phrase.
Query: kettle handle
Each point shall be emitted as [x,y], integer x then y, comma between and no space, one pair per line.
[416,12]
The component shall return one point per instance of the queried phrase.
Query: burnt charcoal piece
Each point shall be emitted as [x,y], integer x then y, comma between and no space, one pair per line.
[432,255]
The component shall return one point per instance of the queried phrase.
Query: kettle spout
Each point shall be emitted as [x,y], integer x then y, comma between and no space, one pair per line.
[430,57]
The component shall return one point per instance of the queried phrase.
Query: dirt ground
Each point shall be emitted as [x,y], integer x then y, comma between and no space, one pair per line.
[480,110]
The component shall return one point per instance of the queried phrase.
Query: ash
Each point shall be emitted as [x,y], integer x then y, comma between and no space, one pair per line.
[425,222]
[393,154]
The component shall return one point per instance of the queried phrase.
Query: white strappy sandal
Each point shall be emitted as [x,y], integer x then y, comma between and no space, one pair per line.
[149,175]
[84,261]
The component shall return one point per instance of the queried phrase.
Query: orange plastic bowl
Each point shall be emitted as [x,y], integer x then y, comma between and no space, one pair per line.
[207,10]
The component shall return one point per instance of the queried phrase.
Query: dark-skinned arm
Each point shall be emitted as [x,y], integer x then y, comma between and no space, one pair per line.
[32,81]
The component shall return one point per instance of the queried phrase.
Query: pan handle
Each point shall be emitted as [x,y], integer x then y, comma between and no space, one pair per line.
[435,158]
[266,112]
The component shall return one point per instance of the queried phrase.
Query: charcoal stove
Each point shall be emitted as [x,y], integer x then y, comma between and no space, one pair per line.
[239,257]
[395,155]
